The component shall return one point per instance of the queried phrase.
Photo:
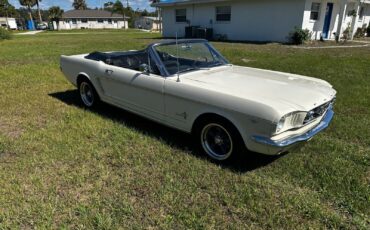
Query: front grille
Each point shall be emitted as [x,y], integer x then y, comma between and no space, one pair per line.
[317,112]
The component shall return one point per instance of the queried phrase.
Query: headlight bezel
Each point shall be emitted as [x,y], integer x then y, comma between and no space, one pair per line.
[298,119]
[293,120]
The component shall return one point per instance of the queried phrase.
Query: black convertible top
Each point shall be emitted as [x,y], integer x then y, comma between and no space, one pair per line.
[106,57]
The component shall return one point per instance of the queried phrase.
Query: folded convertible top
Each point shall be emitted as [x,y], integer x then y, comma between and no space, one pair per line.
[107,57]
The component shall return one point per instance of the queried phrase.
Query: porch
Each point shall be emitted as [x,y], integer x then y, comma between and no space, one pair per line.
[328,18]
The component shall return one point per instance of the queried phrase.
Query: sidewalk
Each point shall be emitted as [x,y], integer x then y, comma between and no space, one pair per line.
[30,32]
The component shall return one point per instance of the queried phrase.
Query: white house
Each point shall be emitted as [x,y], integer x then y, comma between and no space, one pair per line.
[8,22]
[264,20]
[92,19]
[148,23]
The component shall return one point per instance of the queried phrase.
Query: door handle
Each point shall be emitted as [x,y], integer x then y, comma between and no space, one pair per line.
[108,71]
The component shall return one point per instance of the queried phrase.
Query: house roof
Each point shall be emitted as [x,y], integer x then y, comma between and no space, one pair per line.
[152,18]
[186,2]
[183,2]
[91,14]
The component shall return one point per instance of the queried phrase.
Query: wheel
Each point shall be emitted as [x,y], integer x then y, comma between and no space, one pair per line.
[88,95]
[219,139]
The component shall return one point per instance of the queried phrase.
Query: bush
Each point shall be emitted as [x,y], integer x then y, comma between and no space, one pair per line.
[368,31]
[299,36]
[4,34]
[346,33]
[360,32]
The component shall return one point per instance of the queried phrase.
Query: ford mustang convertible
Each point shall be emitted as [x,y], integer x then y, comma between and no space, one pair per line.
[190,86]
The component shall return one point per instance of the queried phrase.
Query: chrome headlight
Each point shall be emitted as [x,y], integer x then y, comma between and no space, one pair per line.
[290,121]
[317,112]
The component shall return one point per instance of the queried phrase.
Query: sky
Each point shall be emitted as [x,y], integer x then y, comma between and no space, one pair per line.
[67,4]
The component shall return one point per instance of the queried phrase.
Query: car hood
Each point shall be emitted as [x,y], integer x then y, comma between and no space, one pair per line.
[282,91]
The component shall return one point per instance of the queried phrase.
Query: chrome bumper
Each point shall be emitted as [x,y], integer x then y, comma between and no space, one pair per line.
[285,143]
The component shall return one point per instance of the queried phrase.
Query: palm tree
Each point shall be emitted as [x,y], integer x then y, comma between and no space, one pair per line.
[29,4]
[55,14]
[79,4]
[4,5]
[118,8]
[38,9]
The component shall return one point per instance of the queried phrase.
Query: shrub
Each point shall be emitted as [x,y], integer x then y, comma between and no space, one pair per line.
[299,36]
[346,33]
[368,30]
[4,34]
[360,32]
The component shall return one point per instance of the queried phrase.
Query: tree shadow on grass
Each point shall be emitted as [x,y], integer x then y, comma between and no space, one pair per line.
[172,137]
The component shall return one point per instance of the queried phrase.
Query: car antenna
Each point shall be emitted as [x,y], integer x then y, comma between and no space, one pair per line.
[178,63]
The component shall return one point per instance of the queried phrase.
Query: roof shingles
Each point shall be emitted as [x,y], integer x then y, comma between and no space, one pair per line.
[90,14]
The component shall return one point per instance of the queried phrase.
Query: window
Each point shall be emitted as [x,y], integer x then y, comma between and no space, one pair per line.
[100,21]
[315,11]
[74,21]
[361,14]
[84,20]
[188,56]
[223,13]
[109,21]
[181,15]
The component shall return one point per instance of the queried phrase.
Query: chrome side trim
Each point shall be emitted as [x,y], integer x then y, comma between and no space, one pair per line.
[304,137]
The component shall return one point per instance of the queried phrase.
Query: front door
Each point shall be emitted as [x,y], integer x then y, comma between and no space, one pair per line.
[328,14]
[134,91]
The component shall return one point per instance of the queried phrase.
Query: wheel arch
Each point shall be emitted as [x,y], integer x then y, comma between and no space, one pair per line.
[82,76]
[212,115]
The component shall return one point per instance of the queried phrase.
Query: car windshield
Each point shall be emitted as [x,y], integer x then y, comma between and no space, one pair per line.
[189,56]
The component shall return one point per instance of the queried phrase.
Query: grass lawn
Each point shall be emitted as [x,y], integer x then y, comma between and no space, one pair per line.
[62,166]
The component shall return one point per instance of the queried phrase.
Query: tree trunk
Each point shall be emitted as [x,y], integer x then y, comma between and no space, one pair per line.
[6,18]
[124,21]
[30,16]
[38,10]
[30,13]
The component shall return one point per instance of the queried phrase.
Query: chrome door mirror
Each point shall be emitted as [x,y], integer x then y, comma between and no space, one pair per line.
[144,68]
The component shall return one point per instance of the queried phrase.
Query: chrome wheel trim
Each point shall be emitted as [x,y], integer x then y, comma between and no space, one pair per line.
[87,94]
[216,141]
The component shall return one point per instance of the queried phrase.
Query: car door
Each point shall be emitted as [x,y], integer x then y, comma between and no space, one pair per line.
[134,91]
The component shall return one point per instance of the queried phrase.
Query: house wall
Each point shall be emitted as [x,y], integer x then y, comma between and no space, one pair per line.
[366,19]
[252,20]
[11,23]
[316,27]
[156,26]
[360,22]
[93,24]
[143,23]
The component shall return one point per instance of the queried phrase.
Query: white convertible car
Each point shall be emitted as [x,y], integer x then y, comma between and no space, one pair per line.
[190,86]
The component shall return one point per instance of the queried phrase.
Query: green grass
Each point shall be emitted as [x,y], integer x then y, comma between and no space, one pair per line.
[62,166]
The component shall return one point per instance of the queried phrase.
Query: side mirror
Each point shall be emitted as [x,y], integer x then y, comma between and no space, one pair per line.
[144,68]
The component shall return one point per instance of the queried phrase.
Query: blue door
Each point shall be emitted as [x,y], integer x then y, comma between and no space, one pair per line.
[328,14]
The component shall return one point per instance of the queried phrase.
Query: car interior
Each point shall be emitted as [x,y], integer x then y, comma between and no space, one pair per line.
[173,64]
[129,60]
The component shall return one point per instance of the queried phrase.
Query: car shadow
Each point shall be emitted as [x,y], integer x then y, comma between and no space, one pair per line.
[172,137]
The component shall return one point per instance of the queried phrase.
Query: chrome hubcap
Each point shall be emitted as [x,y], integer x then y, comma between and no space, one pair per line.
[87,94]
[217,142]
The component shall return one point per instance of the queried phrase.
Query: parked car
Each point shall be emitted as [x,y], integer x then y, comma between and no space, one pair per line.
[190,86]
[42,26]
